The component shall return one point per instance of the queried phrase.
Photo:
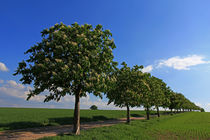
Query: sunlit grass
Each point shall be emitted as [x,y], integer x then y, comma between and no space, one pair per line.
[192,125]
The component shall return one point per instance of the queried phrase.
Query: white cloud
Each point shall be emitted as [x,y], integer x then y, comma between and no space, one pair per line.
[198,104]
[11,91]
[206,106]
[86,102]
[183,63]
[14,84]
[147,69]
[3,67]
[14,89]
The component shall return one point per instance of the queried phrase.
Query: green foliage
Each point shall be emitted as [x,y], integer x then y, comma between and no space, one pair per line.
[202,110]
[178,101]
[167,93]
[158,88]
[68,59]
[94,107]
[193,125]
[123,91]
[146,92]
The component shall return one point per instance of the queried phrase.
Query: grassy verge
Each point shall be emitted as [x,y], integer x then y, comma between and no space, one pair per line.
[18,118]
[192,125]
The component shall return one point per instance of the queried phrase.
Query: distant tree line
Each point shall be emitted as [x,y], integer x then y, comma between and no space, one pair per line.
[132,88]
[78,59]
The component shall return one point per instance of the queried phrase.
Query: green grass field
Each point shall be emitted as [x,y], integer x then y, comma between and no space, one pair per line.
[18,118]
[189,125]
[184,126]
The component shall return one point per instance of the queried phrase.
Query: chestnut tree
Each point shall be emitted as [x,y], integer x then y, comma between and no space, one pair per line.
[69,60]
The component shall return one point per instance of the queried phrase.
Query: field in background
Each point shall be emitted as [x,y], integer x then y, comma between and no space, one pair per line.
[189,125]
[18,118]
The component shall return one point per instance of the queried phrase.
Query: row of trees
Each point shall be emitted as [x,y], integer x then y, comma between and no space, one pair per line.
[78,59]
[133,88]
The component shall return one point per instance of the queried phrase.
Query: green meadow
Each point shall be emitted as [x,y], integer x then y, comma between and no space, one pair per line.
[18,118]
[188,125]
[184,126]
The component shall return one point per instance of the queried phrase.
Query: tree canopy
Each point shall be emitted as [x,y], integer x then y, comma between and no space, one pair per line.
[74,59]
[123,92]
[94,107]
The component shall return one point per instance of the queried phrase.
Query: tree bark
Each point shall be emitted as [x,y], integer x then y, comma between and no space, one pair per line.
[76,129]
[128,114]
[147,111]
[158,112]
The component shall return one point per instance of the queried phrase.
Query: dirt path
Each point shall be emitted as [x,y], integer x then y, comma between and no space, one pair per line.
[36,133]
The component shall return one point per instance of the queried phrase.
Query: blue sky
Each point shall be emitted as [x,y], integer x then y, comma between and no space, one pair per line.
[170,38]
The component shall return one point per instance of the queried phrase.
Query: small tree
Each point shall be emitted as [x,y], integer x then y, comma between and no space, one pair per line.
[123,91]
[173,100]
[180,101]
[158,88]
[94,107]
[147,94]
[166,102]
[202,110]
[73,60]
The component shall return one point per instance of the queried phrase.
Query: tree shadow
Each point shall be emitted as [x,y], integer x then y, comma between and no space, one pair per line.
[16,130]
[69,120]
[166,113]
[49,122]
[40,128]
[21,125]
[137,115]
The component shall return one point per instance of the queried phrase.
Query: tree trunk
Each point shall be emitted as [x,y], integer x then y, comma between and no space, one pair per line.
[158,112]
[76,129]
[171,111]
[128,114]
[147,111]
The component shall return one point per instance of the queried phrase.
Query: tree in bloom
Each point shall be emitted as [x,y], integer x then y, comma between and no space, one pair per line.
[70,60]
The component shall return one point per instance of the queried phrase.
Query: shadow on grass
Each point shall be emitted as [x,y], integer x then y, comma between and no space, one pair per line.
[40,129]
[20,125]
[137,115]
[55,121]
[69,120]
[49,122]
